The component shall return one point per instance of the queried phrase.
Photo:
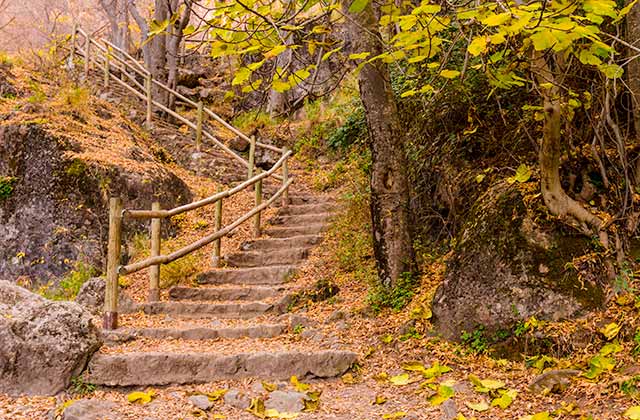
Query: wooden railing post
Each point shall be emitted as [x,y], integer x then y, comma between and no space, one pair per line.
[74,35]
[199,126]
[113,262]
[148,86]
[256,218]
[87,56]
[215,259]
[154,270]
[106,69]
[252,156]
[285,179]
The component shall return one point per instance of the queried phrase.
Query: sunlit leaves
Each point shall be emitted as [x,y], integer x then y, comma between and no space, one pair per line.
[478,46]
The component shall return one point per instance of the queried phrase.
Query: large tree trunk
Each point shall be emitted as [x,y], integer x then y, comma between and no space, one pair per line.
[117,12]
[633,68]
[392,233]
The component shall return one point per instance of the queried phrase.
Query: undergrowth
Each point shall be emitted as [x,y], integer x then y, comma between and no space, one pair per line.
[70,284]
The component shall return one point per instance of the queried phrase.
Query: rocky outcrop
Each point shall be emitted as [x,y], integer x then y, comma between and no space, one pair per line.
[508,266]
[54,209]
[43,343]
[91,296]
[91,410]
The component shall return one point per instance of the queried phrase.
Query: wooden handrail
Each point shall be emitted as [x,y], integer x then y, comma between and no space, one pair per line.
[166,259]
[163,214]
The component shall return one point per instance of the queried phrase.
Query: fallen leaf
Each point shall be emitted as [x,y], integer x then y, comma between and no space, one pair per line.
[396,415]
[399,380]
[610,331]
[380,399]
[348,379]
[299,386]
[141,397]
[633,413]
[269,387]
[443,393]
[257,408]
[505,400]
[479,406]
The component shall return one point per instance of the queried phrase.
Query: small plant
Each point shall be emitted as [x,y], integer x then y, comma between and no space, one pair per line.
[80,387]
[38,95]
[298,329]
[396,298]
[520,329]
[475,340]
[411,333]
[76,98]
[6,186]
[636,342]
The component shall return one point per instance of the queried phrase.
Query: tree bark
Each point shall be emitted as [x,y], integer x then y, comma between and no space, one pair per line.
[633,68]
[390,213]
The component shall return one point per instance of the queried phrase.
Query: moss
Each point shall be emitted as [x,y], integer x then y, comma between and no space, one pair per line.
[7,185]
[76,169]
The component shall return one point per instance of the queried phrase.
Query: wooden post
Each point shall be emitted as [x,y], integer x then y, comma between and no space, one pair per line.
[154,270]
[113,262]
[106,69]
[256,218]
[148,85]
[73,43]
[285,179]
[252,156]
[87,56]
[199,127]
[215,259]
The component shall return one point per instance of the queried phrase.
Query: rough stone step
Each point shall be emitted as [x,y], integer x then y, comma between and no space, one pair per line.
[146,369]
[222,310]
[277,274]
[267,258]
[291,210]
[225,293]
[199,333]
[301,241]
[301,219]
[289,231]
[297,200]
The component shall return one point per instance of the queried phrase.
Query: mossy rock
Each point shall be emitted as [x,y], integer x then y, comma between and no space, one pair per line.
[510,264]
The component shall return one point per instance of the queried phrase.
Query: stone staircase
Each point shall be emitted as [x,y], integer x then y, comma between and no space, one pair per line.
[234,322]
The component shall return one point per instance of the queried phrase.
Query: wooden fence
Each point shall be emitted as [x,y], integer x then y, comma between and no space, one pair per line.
[111,59]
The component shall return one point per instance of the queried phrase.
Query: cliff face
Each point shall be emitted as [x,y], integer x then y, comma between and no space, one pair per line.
[62,155]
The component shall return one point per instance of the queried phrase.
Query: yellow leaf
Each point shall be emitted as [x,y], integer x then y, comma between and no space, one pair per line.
[449,74]
[218,416]
[399,380]
[444,392]
[272,413]
[505,400]
[299,386]
[141,397]
[477,46]
[257,408]
[274,52]
[348,379]
[380,399]
[633,413]
[610,331]
[269,387]
[479,406]
[360,56]
[497,20]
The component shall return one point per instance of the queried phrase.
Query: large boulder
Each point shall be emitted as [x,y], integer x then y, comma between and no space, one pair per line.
[43,343]
[508,265]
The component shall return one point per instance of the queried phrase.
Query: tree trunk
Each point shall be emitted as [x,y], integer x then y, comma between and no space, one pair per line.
[392,233]
[633,68]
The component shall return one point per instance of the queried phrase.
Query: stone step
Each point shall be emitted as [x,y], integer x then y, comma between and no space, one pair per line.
[297,200]
[289,231]
[301,219]
[291,210]
[278,274]
[199,333]
[301,241]
[221,310]
[264,258]
[225,293]
[155,368]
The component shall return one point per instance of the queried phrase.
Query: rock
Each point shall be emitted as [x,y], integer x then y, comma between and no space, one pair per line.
[91,410]
[201,401]
[237,399]
[285,401]
[211,94]
[295,320]
[449,410]
[493,278]
[190,78]
[336,315]
[91,296]
[44,343]
[239,144]
[554,380]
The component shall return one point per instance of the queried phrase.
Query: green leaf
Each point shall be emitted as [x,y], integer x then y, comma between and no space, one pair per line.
[443,393]
[330,53]
[612,71]
[625,11]
[633,413]
[523,173]
[358,6]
